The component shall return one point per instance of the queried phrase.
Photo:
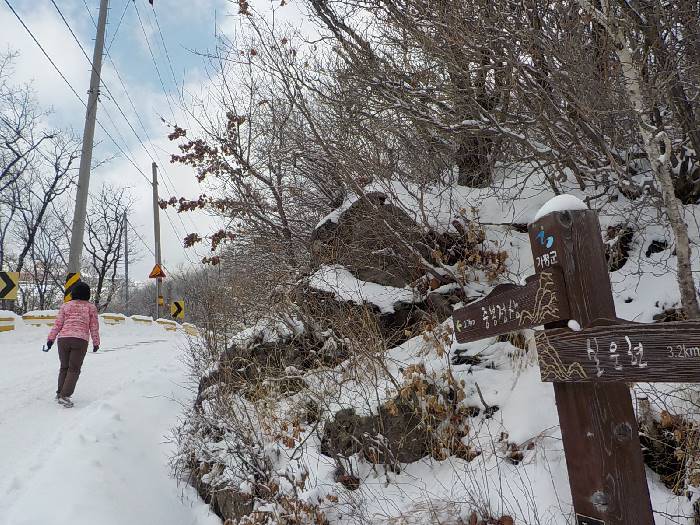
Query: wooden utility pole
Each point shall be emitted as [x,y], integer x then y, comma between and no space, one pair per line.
[598,425]
[126,265]
[78,229]
[156,235]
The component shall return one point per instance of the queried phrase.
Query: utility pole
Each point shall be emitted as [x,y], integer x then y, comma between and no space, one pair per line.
[156,235]
[126,265]
[169,298]
[78,230]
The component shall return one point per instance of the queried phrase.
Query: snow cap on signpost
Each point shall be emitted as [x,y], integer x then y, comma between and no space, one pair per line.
[560,203]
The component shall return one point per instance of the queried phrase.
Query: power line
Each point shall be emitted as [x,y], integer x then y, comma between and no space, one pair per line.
[43,50]
[167,181]
[153,58]
[90,13]
[182,102]
[58,70]
[140,238]
[121,80]
[111,96]
[116,31]
[71,32]
[172,69]
[63,77]
[165,48]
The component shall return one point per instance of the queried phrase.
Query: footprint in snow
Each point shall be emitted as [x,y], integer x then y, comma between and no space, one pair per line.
[15,485]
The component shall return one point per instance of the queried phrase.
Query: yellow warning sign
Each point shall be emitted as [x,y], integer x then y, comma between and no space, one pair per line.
[71,281]
[161,301]
[157,272]
[9,285]
[177,310]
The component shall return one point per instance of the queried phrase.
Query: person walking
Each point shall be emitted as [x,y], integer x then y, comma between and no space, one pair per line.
[76,323]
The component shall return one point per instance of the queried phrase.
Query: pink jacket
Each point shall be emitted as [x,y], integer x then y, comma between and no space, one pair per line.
[77,319]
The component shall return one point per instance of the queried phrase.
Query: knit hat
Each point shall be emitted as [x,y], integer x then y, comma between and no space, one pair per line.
[81,291]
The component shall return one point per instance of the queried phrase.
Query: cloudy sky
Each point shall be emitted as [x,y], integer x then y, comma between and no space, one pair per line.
[153,84]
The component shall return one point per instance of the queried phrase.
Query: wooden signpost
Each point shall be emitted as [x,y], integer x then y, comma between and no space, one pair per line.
[617,350]
[510,307]
[590,367]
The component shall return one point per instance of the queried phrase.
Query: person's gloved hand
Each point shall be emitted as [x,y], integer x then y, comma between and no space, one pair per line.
[95,348]
[49,344]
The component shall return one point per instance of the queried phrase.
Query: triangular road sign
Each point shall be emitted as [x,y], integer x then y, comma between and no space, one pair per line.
[157,272]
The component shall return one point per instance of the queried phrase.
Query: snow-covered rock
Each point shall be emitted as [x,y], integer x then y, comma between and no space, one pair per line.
[344,286]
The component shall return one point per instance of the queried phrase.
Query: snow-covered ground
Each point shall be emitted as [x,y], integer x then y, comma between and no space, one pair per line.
[105,461]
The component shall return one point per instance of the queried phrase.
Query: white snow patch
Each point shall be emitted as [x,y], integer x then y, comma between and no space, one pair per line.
[574,325]
[42,313]
[144,318]
[560,203]
[338,212]
[346,287]
[269,330]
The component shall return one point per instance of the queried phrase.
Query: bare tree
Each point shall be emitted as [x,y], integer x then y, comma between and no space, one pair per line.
[249,154]
[104,246]
[26,147]
[47,267]
[21,132]
[46,180]
[634,28]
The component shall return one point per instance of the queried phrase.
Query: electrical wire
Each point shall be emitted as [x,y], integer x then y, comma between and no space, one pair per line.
[153,58]
[67,82]
[166,178]
[103,83]
[58,70]
[116,31]
[172,69]
[140,238]
[182,101]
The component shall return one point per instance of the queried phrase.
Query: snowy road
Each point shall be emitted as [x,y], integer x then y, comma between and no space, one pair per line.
[105,461]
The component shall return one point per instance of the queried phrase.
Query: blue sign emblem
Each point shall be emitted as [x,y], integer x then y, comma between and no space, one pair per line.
[545,240]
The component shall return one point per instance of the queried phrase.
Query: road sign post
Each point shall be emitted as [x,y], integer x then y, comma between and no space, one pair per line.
[598,426]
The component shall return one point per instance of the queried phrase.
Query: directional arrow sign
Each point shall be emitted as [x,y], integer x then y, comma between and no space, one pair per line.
[618,350]
[510,307]
[9,285]
[177,310]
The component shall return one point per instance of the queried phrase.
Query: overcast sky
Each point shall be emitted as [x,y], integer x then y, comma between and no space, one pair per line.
[186,26]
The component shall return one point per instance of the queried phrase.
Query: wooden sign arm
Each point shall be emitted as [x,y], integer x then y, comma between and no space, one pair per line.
[509,307]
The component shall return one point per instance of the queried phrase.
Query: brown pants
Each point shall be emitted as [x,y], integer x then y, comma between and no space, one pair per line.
[71,352]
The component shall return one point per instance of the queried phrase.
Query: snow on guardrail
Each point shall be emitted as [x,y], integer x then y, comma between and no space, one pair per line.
[10,321]
[7,320]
